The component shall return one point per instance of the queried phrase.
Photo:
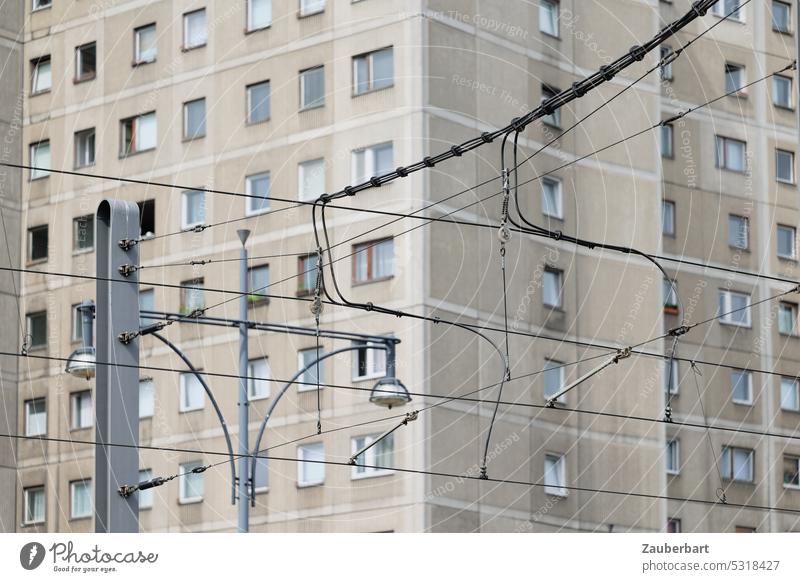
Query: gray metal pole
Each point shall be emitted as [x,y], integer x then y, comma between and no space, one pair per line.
[244,416]
[117,386]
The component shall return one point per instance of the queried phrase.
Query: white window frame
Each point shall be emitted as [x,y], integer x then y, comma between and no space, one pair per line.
[249,94]
[369,82]
[152,397]
[559,274]
[673,454]
[312,105]
[138,59]
[80,76]
[795,385]
[789,28]
[735,79]
[665,204]
[730,452]
[257,290]
[665,72]
[248,185]
[27,492]
[776,80]
[73,486]
[82,138]
[320,369]
[263,380]
[551,365]
[557,489]
[36,74]
[721,10]
[303,457]
[559,202]
[261,462]
[304,167]
[551,28]
[721,147]
[667,134]
[370,456]
[186,474]
[29,416]
[88,229]
[554,119]
[740,221]
[185,209]
[37,173]
[41,5]
[748,400]
[146,497]
[726,306]
[779,152]
[367,252]
[204,124]
[311,7]
[250,26]
[792,307]
[370,160]
[136,122]
[796,460]
[77,420]
[183,406]
[373,357]
[186,16]
[793,231]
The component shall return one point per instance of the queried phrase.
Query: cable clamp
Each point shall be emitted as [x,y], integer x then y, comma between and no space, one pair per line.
[402,172]
[668,414]
[127,244]
[127,270]
[200,262]
[428,161]
[487,137]
[437,320]
[316,306]
[721,496]
[638,52]
[195,313]
[622,354]
[411,416]
[369,305]
[349,191]
[456,151]
[671,119]
[127,337]
[578,90]
[483,474]
[200,469]
[199,228]
[375,181]
[556,235]
[679,331]
[608,72]
[699,9]
[26,344]
[127,490]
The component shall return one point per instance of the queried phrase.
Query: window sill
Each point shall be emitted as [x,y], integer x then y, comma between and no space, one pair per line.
[733,324]
[312,107]
[79,428]
[304,292]
[739,249]
[124,155]
[259,122]
[83,251]
[673,473]
[308,485]
[34,262]
[190,501]
[257,398]
[79,80]
[559,218]
[259,29]
[742,403]
[369,377]
[136,64]
[550,35]
[187,410]
[787,258]
[37,93]
[301,15]
[560,494]
[192,138]
[186,49]
[33,523]
[788,108]
[367,282]
[261,490]
[783,32]
[41,348]
[38,178]
[731,170]
[788,335]
[373,475]
[258,302]
[311,387]
[785,182]
[80,518]
[370,91]
[556,308]
[83,166]
[250,213]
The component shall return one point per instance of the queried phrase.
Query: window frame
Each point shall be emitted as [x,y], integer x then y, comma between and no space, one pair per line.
[559,274]
[725,296]
[83,77]
[76,248]
[202,129]
[28,323]
[35,73]
[796,386]
[249,28]
[249,101]
[152,397]
[796,460]
[304,385]
[551,365]
[301,171]
[72,490]
[185,47]
[26,491]
[722,163]
[251,381]
[553,4]
[27,406]
[783,78]
[182,393]
[314,104]
[370,81]
[793,231]
[793,309]
[137,45]
[302,460]
[664,205]
[135,121]
[251,197]
[303,272]
[185,194]
[739,220]
[665,71]
[372,358]
[790,153]
[37,5]
[36,173]
[256,295]
[78,137]
[748,375]
[31,232]
[370,248]
[669,129]
[146,475]
[673,456]
[559,184]
[370,154]
[77,420]
[559,489]
[370,456]
[719,9]
[789,30]
[554,119]
[731,474]
[185,471]
[739,89]
[303,13]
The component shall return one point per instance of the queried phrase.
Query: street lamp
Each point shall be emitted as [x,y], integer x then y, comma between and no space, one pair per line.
[82,363]
[389,391]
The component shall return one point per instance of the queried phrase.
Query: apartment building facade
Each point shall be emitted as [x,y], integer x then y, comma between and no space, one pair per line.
[292,99]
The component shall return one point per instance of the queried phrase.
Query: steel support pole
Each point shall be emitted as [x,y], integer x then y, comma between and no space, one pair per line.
[117,380]
[244,416]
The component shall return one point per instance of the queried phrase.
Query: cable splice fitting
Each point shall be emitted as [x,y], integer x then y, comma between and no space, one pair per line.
[679,331]
[607,72]
[200,469]
[638,52]
[402,172]
[578,90]
[456,151]
[375,181]
[484,474]
[487,137]
[428,161]
[668,414]
[349,191]
[369,305]
[557,235]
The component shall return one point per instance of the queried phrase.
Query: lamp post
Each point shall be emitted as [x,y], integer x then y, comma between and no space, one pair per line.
[244,415]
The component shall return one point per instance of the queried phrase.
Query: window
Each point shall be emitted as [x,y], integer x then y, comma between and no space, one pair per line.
[726,7]
[194,208]
[741,387]
[194,29]
[554,119]
[553,379]
[552,204]
[41,75]
[731,154]
[192,295]
[670,296]
[77,324]
[147,302]
[667,140]
[734,79]
[40,159]
[671,376]
[257,189]
[737,464]
[782,91]
[668,217]
[380,455]
[86,62]
[372,161]
[84,148]
[312,87]
[145,44]
[553,282]
[738,231]
[791,472]
[784,166]
[80,494]
[673,457]
[81,404]
[787,318]
[37,329]
[34,505]
[666,70]
[781,16]
[147,398]
[548,17]
[311,179]
[83,233]
[790,394]
[308,380]
[308,7]
[194,119]
[310,469]
[138,133]
[368,362]
[673,525]
[38,243]
[373,71]
[373,261]
[262,475]
[191,484]
[147,218]
[734,308]
[40,4]
[193,397]
[258,283]
[258,102]
[258,382]
[35,417]
[554,475]
[259,14]
[306,274]
[786,242]
[147,496]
